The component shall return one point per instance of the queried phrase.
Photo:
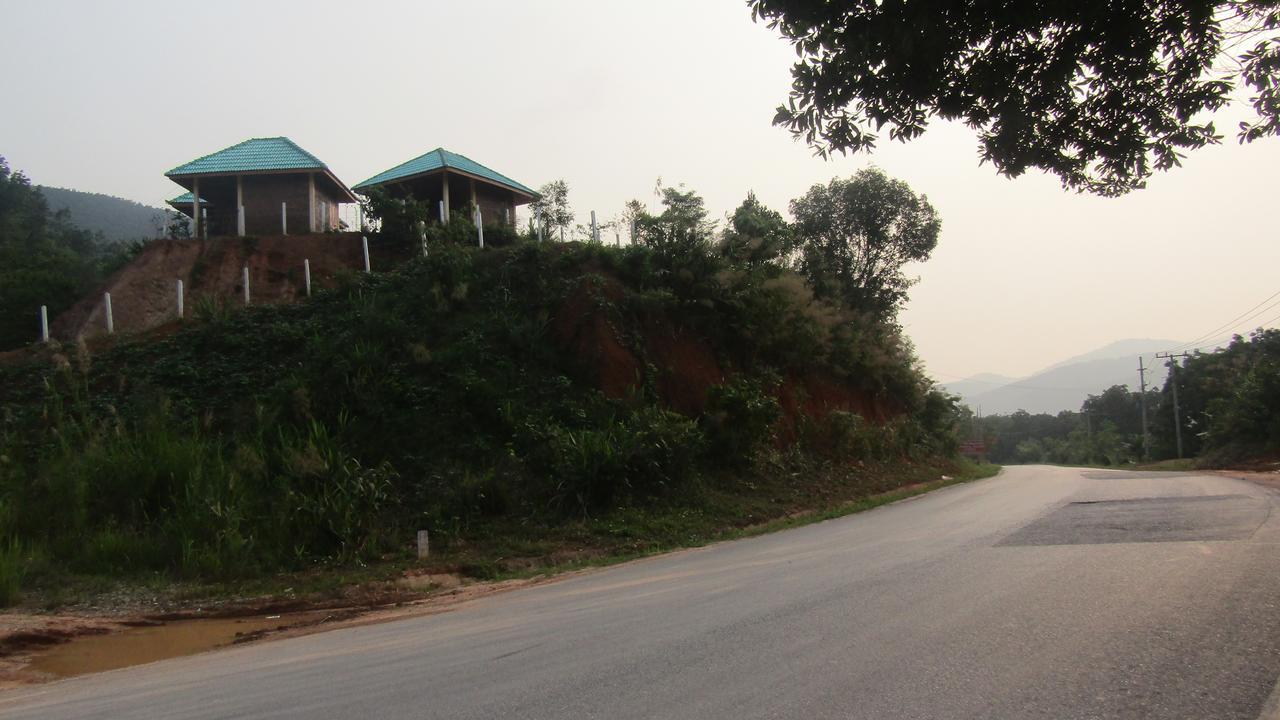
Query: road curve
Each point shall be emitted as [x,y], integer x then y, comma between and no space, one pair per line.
[1041,593]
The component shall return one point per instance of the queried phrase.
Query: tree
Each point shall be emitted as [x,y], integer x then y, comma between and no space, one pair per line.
[855,235]
[1099,93]
[756,234]
[552,207]
[683,224]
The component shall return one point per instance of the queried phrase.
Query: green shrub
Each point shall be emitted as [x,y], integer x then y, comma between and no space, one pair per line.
[739,419]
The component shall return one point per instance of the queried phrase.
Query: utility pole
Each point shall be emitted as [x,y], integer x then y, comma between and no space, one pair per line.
[1142,401]
[1177,421]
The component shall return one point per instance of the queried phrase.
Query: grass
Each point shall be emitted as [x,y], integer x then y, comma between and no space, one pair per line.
[511,551]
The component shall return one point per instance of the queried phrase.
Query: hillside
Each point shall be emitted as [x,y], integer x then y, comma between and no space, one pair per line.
[118,219]
[1065,385]
[515,402]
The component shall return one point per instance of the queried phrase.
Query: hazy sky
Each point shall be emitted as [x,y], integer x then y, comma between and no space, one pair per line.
[610,96]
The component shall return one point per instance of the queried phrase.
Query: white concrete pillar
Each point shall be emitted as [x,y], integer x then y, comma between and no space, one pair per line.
[479,226]
[284,218]
[244,279]
[44,323]
[306,274]
[364,247]
[106,309]
[239,207]
[444,178]
[180,299]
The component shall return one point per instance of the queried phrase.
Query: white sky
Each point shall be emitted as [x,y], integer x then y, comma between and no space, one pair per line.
[105,97]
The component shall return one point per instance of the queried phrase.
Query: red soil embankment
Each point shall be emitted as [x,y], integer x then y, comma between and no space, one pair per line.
[144,292]
[685,366]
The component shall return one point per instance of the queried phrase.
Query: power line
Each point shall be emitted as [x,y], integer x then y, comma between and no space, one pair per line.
[1234,322]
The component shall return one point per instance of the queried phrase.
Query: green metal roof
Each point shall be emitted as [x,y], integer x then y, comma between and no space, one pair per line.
[253,155]
[185,199]
[438,159]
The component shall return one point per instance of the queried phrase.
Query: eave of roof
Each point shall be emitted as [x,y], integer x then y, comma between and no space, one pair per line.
[441,159]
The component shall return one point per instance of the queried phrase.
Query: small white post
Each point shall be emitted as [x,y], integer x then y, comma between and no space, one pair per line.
[284,219]
[422,236]
[632,239]
[240,221]
[364,246]
[617,238]
[204,222]
[106,307]
[595,231]
[306,274]
[180,308]
[443,219]
[479,227]
[424,544]
[44,323]
[244,279]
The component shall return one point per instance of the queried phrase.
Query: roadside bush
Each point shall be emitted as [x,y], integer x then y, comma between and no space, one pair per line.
[739,419]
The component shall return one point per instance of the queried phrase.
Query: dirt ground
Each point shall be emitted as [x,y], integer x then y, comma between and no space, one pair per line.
[34,647]
[144,292]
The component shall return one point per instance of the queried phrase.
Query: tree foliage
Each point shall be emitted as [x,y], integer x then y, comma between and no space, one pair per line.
[756,234]
[1101,94]
[44,259]
[855,235]
[552,207]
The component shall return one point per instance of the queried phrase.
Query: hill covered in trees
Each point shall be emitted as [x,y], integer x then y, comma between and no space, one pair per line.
[114,219]
[616,399]
[45,259]
[1228,413]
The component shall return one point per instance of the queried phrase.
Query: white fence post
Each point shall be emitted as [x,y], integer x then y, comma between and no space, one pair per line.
[284,219]
[106,307]
[364,246]
[245,281]
[632,239]
[480,227]
[204,223]
[424,544]
[180,308]
[306,274]
[44,323]
[595,230]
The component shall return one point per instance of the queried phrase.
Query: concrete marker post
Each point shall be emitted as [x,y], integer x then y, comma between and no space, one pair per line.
[479,227]
[240,221]
[364,247]
[442,217]
[424,544]
[595,230]
[284,219]
[106,308]
[180,298]
[306,274]
[44,323]
[245,282]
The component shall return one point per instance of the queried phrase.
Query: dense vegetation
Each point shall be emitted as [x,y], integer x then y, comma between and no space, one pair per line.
[44,259]
[1229,410]
[475,393]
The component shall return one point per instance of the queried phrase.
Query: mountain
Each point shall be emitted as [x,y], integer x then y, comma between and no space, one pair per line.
[116,218]
[1066,384]
[976,384]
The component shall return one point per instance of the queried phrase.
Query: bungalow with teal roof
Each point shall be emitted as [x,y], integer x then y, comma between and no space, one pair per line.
[451,181]
[262,186]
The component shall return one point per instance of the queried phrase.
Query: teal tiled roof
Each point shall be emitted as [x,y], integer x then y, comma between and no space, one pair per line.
[253,155]
[436,160]
[185,199]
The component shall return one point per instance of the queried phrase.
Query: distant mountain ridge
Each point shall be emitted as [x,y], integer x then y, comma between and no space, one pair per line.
[1065,385]
[118,219]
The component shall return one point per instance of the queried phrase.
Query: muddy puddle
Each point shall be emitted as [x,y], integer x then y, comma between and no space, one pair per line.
[139,645]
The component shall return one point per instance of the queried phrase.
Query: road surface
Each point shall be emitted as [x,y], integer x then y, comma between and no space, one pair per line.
[1041,593]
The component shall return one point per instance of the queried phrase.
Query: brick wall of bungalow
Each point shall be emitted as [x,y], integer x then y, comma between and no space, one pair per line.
[262,196]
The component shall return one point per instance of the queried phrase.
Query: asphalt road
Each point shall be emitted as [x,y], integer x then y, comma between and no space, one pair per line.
[1041,593]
